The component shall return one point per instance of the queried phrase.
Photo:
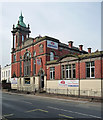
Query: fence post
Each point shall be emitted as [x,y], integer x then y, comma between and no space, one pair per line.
[49,90]
[67,91]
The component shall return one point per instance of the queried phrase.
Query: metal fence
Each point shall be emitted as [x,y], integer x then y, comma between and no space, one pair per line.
[69,92]
[26,88]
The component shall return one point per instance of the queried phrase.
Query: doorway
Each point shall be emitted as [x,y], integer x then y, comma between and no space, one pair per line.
[41,79]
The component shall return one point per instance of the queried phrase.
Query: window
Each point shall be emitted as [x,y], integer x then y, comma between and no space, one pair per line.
[27,64]
[20,68]
[68,71]
[52,73]
[51,56]
[2,74]
[34,66]
[27,80]
[73,66]
[90,69]
[20,81]
[63,72]
[14,58]
[22,38]
[34,53]
[6,73]
[41,48]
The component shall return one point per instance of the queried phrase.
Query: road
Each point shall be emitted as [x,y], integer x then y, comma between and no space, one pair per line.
[31,106]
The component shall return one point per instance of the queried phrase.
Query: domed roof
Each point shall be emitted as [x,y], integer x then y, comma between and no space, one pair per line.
[20,22]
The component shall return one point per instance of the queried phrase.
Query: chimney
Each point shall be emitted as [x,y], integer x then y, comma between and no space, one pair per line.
[89,50]
[80,47]
[70,44]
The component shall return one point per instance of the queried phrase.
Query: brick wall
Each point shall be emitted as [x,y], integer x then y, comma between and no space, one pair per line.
[58,72]
[97,68]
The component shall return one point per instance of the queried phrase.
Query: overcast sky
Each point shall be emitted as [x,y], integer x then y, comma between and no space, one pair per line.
[80,22]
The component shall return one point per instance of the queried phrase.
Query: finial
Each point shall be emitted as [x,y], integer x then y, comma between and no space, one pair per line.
[18,22]
[13,25]
[21,12]
[28,26]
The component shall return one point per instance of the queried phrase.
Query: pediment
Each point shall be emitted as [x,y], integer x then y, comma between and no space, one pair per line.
[68,58]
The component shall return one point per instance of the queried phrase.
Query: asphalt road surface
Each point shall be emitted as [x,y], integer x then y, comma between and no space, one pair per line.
[31,106]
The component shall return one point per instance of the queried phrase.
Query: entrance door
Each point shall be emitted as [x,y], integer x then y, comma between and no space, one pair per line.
[42,81]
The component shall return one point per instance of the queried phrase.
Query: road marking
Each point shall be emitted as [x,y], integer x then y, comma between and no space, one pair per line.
[37,110]
[77,101]
[32,110]
[26,102]
[7,115]
[73,112]
[65,116]
[42,110]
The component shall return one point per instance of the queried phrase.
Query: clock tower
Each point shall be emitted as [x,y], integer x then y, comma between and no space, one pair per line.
[20,33]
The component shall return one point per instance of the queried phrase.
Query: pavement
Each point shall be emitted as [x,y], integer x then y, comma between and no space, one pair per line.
[26,106]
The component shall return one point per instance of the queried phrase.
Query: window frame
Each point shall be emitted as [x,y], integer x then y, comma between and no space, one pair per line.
[22,37]
[90,68]
[34,54]
[14,58]
[2,75]
[34,65]
[68,69]
[27,64]
[52,73]
[51,56]
[41,48]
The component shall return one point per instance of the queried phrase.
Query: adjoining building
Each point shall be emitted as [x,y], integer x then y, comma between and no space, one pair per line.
[76,74]
[44,63]
[6,73]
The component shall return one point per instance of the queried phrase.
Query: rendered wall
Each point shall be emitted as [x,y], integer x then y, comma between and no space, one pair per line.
[90,87]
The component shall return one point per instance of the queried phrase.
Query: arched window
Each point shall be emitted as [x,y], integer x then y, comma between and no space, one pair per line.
[34,53]
[41,48]
[34,66]
[22,38]
[27,64]
[51,56]
[14,58]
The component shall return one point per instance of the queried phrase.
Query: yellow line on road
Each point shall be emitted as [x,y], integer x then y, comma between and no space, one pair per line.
[42,110]
[7,115]
[32,110]
[37,110]
[65,116]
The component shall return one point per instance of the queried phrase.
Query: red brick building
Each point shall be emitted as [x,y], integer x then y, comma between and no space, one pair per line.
[29,55]
[35,61]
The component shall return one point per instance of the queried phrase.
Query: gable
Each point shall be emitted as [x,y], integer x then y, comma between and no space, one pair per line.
[68,59]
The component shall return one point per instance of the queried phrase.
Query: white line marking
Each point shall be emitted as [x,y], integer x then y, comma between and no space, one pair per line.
[26,102]
[73,112]
[78,101]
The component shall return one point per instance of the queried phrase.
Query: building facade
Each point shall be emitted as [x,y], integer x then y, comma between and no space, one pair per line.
[6,74]
[29,56]
[77,74]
